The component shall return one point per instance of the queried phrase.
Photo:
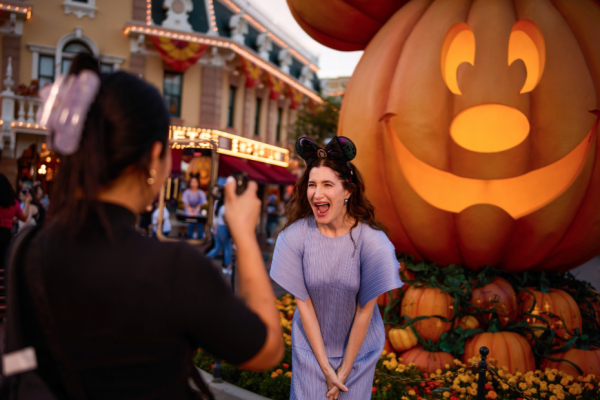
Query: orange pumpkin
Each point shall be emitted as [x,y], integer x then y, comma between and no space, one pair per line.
[508,349]
[427,360]
[424,301]
[500,295]
[587,360]
[468,322]
[402,339]
[431,73]
[557,302]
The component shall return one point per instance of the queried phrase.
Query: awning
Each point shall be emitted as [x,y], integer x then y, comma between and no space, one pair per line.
[176,160]
[229,165]
[275,174]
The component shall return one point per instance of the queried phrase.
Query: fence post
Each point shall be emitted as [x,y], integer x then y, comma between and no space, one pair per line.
[217,376]
[482,373]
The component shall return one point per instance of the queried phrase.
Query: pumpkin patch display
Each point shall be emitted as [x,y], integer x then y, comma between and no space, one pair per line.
[428,302]
[402,339]
[508,349]
[557,307]
[429,361]
[498,295]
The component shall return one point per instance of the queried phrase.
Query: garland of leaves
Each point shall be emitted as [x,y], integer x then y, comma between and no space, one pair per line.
[459,283]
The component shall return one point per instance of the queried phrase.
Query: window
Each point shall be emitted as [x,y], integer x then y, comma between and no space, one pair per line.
[172,92]
[70,50]
[257,117]
[46,70]
[231,111]
[106,68]
[278,131]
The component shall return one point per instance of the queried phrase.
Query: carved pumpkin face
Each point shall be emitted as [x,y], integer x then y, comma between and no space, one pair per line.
[474,133]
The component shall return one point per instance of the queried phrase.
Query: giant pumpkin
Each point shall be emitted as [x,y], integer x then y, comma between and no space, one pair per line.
[472,120]
[429,302]
[587,360]
[429,361]
[507,349]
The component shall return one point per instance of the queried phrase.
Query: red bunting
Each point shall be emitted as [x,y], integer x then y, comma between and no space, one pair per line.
[295,97]
[252,72]
[276,86]
[178,54]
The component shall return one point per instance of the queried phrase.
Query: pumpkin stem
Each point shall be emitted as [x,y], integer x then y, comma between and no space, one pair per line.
[494,328]
[544,283]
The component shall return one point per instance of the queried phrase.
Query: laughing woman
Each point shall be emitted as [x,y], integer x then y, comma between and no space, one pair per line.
[335,258]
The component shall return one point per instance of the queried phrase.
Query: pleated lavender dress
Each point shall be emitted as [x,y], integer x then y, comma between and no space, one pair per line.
[336,275]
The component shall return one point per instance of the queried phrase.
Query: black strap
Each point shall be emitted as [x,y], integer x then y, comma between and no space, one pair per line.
[35,283]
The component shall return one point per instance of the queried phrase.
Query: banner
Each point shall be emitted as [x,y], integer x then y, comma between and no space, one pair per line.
[295,97]
[178,54]
[276,87]
[252,71]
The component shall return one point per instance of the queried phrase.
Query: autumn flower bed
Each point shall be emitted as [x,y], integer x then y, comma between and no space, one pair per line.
[395,380]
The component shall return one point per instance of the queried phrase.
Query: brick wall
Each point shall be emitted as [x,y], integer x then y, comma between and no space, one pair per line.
[139,10]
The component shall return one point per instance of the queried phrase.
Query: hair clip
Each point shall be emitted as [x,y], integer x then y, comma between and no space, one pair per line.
[66,104]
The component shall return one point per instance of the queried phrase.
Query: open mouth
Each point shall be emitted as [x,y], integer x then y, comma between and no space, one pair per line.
[518,196]
[322,209]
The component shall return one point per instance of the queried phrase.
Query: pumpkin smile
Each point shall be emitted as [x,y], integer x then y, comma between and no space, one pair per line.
[518,196]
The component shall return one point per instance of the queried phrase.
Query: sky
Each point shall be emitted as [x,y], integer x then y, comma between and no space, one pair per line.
[332,63]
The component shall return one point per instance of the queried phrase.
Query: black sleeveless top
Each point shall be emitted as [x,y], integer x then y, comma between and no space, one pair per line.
[131,310]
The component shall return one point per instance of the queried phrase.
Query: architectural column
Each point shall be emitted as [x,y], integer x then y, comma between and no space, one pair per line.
[249,112]
[212,97]
[272,121]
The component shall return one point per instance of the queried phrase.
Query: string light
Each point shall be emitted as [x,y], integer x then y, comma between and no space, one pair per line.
[24,10]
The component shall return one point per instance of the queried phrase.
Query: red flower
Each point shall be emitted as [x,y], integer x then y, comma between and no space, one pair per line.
[489,387]
[374,389]
[284,365]
[212,366]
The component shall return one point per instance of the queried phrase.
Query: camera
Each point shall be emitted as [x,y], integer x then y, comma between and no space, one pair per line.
[25,191]
[241,182]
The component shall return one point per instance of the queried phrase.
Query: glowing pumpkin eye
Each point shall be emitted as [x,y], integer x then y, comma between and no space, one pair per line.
[458,47]
[527,43]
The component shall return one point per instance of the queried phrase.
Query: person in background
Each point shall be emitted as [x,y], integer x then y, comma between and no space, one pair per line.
[222,238]
[193,199]
[9,210]
[166,225]
[42,197]
[35,213]
[130,310]
[273,213]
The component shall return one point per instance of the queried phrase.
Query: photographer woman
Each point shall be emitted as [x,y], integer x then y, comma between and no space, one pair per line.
[128,310]
[335,258]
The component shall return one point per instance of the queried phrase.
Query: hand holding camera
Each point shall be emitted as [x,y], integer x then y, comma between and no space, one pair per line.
[242,205]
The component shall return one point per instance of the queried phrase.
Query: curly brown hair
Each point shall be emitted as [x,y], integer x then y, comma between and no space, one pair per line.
[359,207]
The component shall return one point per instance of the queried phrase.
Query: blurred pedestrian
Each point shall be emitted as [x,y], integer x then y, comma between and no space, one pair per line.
[193,199]
[9,210]
[222,238]
[42,197]
[166,225]
[273,213]
[126,312]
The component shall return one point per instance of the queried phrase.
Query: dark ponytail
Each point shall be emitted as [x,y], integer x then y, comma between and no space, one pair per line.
[127,117]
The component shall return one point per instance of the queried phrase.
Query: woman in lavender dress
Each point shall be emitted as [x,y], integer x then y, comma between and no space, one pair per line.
[335,258]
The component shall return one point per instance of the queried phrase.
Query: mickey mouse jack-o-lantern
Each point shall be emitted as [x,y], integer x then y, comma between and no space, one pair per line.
[473,122]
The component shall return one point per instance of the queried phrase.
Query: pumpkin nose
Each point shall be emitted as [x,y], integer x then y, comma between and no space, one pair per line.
[489,128]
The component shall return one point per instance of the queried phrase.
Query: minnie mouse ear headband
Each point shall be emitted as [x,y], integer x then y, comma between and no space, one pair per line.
[340,149]
[66,104]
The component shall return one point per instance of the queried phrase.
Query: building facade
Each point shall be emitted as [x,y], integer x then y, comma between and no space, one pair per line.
[225,71]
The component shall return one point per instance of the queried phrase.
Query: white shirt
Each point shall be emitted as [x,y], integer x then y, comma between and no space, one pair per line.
[166,223]
[220,216]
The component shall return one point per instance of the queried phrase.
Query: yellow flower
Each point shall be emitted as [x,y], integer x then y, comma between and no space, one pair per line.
[274,375]
[560,396]
[491,394]
[411,393]
[522,386]
[289,374]
[533,390]
[553,398]
[446,394]
[279,371]
[551,378]
[564,381]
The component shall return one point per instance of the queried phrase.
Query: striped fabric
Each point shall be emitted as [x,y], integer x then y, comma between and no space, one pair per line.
[336,273]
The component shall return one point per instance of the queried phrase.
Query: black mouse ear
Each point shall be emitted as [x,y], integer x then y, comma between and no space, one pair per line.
[307,149]
[348,148]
